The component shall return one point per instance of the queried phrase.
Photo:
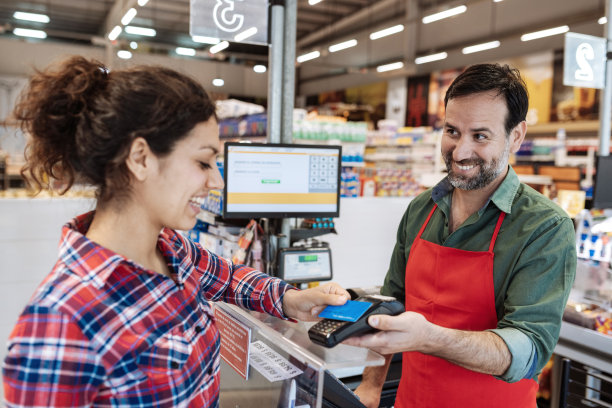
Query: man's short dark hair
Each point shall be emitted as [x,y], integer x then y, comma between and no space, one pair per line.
[505,80]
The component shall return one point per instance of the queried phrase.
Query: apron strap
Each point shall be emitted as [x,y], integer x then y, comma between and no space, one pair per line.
[497,228]
[426,221]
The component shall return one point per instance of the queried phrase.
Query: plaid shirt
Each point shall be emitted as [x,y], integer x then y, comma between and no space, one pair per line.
[102,331]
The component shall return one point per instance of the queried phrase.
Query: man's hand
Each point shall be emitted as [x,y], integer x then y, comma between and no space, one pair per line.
[480,351]
[307,304]
[408,331]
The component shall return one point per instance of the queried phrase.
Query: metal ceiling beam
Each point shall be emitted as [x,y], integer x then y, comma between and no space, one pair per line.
[359,16]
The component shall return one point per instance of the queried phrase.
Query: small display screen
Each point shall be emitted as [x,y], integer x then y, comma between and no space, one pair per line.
[306,265]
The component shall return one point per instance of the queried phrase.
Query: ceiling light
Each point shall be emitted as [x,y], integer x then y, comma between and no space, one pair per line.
[309,56]
[343,45]
[444,14]
[387,31]
[260,69]
[481,47]
[497,1]
[218,47]
[544,33]
[389,67]
[133,45]
[430,58]
[142,3]
[245,34]
[313,2]
[124,54]
[602,20]
[204,39]
[26,32]
[189,52]
[114,33]
[218,82]
[129,16]
[39,18]
[149,32]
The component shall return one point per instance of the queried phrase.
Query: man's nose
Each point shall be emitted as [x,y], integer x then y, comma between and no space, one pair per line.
[463,149]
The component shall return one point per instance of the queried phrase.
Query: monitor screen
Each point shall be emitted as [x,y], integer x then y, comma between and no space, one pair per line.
[297,265]
[281,180]
[602,193]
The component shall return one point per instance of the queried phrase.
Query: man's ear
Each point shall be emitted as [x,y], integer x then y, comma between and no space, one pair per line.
[517,135]
[139,159]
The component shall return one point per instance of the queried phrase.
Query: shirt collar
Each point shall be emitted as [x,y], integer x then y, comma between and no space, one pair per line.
[95,263]
[503,197]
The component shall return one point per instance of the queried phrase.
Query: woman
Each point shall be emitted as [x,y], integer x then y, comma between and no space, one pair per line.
[124,317]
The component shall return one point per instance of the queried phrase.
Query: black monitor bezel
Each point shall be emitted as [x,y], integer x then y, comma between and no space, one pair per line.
[598,201]
[284,214]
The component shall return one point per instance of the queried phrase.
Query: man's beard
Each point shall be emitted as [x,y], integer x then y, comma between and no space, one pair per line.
[488,171]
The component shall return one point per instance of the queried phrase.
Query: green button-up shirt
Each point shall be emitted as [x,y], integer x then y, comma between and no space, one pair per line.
[534,264]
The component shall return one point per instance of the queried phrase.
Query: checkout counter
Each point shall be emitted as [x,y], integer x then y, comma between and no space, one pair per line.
[269,362]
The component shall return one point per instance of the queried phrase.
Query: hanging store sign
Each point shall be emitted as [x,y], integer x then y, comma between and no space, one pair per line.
[243,21]
[584,61]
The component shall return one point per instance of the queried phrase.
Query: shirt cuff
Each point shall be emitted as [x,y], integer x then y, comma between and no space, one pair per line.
[524,356]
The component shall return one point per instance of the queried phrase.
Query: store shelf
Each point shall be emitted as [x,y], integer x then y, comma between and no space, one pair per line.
[353,164]
[305,233]
[589,126]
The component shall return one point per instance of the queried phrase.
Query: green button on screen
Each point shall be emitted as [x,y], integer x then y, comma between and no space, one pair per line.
[308,258]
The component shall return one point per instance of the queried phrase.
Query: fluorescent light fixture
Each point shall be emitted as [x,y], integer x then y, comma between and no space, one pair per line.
[313,2]
[124,54]
[189,52]
[142,3]
[387,31]
[114,33]
[430,58]
[544,33]
[343,45]
[481,47]
[444,14]
[133,45]
[148,32]
[218,82]
[389,67]
[497,1]
[205,40]
[245,34]
[26,32]
[38,18]
[602,20]
[129,16]
[218,47]
[260,69]
[308,56]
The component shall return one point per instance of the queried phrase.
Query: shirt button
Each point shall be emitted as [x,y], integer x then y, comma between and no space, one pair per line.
[174,365]
[198,329]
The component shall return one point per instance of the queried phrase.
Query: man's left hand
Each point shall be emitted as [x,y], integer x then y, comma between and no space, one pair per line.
[408,331]
[307,304]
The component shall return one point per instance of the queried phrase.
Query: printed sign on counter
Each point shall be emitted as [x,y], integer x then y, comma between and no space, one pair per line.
[235,340]
[270,364]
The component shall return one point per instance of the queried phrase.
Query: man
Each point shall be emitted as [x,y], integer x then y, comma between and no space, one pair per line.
[483,263]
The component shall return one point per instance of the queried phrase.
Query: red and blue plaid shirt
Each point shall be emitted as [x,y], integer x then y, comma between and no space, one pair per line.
[103,331]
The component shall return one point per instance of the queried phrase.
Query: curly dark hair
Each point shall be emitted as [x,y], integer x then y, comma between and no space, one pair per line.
[82,119]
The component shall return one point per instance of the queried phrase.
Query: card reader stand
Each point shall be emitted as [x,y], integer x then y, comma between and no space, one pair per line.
[290,341]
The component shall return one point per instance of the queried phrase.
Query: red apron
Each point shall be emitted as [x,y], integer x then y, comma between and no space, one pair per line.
[454,288]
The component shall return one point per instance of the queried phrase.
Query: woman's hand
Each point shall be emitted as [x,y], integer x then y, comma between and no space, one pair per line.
[307,304]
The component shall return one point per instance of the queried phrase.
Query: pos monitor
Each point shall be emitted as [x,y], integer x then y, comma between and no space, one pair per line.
[281,180]
[602,194]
